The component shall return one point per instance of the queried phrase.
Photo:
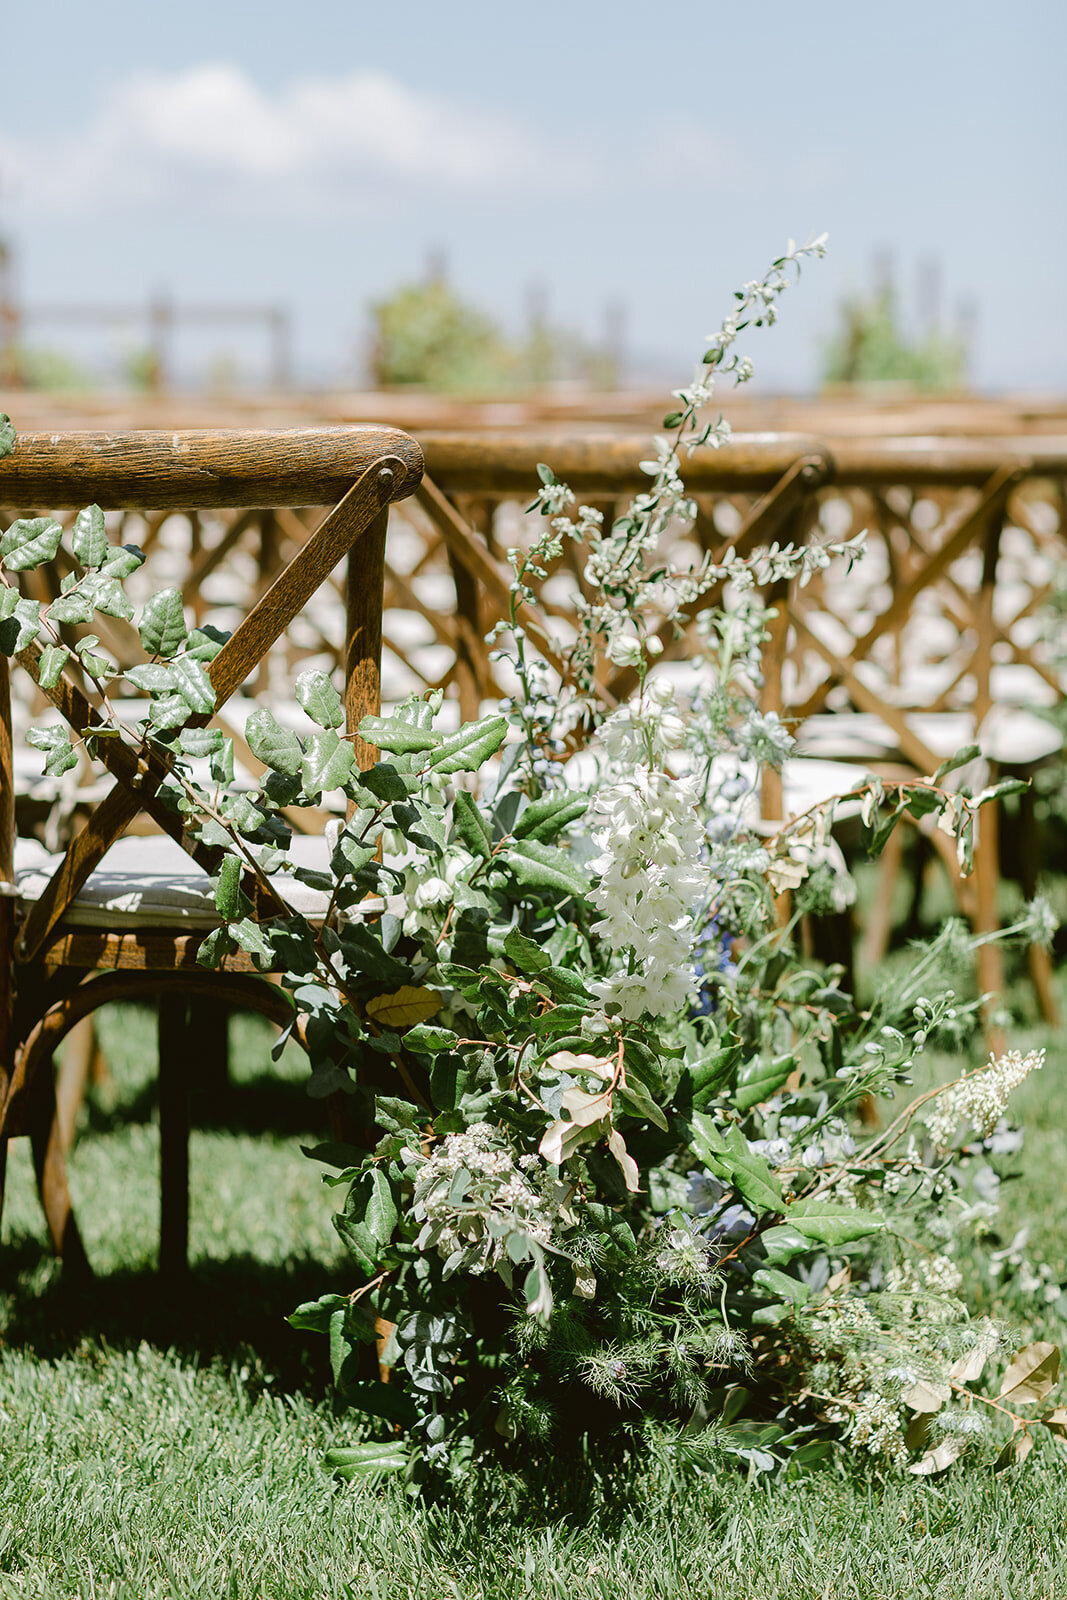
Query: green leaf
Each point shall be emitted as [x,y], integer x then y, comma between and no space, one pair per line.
[124,559]
[74,606]
[193,684]
[89,537]
[639,1103]
[53,659]
[251,937]
[7,434]
[314,1315]
[402,738]
[55,741]
[30,542]
[780,1286]
[470,826]
[327,761]
[547,817]
[367,1460]
[384,782]
[228,896]
[217,944]
[170,711]
[154,677]
[369,1217]
[783,1242]
[272,744]
[473,744]
[833,1225]
[162,626]
[729,1158]
[543,866]
[969,752]
[20,621]
[107,595]
[315,692]
[920,803]
[526,953]
[428,1040]
[759,1078]
[200,742]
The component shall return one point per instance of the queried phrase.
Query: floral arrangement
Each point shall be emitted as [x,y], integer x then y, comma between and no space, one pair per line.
[606,1179]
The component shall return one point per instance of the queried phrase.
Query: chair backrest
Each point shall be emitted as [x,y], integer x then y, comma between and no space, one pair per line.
[361,471]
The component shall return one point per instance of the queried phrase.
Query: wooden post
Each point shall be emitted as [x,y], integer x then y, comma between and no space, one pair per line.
[364,584]
[990,962]
[7,907]
[175,1050]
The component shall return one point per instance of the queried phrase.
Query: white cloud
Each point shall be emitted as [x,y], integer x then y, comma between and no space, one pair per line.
[214,129]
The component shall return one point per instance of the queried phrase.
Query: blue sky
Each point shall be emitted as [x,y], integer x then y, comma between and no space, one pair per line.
[314,154]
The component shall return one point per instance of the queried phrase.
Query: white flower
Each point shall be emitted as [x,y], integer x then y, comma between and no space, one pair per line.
[978,1102]
[624,650]
[431,892]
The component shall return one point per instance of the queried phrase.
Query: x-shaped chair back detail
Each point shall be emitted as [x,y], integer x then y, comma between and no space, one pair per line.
[364,470]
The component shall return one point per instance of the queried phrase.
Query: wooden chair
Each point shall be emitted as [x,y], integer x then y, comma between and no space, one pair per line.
[60,957]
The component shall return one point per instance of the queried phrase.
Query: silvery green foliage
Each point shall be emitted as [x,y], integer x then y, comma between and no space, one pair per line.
[605,1176]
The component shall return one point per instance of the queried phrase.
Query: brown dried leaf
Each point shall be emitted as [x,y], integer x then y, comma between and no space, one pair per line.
[942,1456]
[404,1007]
[1056,1423]
[630,1170]
[1033,1371]
[925,1396]
[1015,1451]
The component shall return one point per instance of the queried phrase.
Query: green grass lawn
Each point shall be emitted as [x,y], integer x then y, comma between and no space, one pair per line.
[169,1444]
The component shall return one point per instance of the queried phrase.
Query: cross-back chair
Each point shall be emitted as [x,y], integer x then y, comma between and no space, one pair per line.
[66,949]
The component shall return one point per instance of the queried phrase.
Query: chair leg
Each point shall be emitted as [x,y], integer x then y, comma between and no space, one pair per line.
[72,1078]
[50,1167]
[175,1054]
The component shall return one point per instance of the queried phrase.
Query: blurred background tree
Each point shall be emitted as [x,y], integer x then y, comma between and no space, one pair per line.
[872,347]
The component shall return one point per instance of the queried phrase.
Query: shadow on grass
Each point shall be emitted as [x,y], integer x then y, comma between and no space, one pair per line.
[257,1105]
[230,1311]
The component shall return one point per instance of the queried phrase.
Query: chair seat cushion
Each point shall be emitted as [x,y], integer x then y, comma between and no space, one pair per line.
[152,882]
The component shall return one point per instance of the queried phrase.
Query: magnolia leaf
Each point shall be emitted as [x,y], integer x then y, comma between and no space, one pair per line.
[526,953]
[367,1460]
[925,1396]
[162,626]
[89,537]
[468,749]
[627,1165]
[30,542]
[783,1242]
[969,752]
[833,1225]
[1033,1371]
[7,434]
[942,1456]
[1015,1451]
[315,692]
[586,1108]
[561,1139]
[327,761]
[732,1160]
[404,1008]
[53,659]
[969,1367]
[272,744]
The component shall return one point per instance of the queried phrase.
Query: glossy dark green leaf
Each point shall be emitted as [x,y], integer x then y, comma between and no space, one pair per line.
[315,692]
[162,626]
[471,747]
[543,866]
[88,537]
[272,744]
[29,542]
[402,738]
[326,763]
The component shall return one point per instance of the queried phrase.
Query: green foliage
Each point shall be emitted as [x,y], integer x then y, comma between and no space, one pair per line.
[424,334]
[609,1191]
[871,348]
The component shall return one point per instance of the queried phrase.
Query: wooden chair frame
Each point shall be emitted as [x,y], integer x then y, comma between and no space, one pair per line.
[51,976]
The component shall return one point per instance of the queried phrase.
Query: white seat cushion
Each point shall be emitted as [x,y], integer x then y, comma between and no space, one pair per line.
[153,882]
